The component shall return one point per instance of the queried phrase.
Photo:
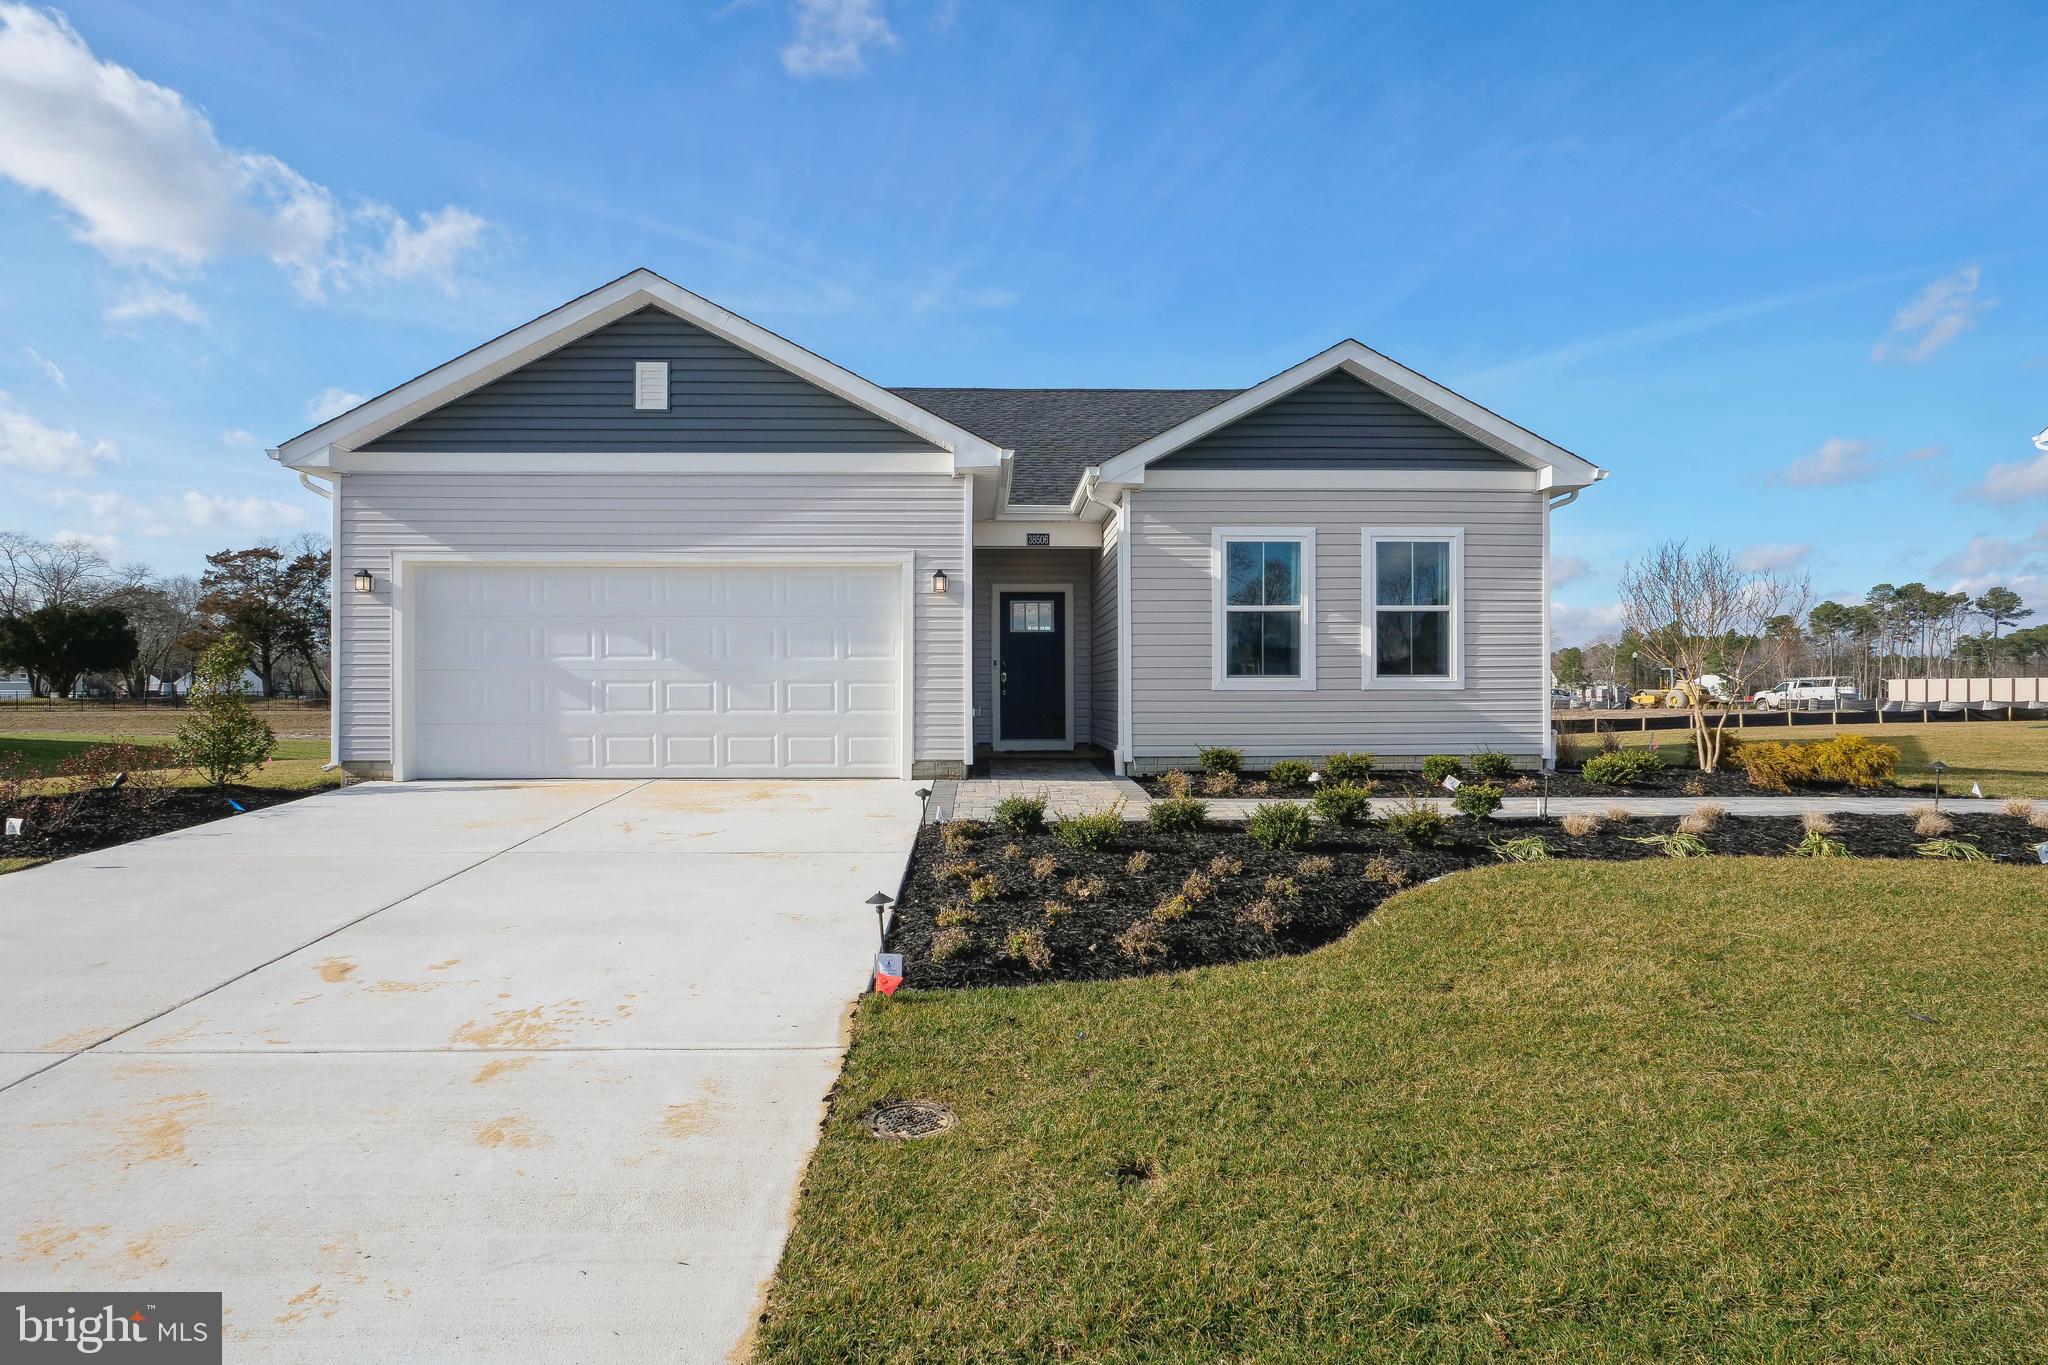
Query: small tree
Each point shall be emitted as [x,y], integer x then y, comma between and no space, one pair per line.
[221,735]
[1695,612]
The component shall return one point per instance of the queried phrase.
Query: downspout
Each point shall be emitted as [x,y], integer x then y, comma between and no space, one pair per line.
[1120,756]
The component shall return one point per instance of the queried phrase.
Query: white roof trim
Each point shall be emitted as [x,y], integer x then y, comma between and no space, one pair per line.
[580,317]
[1561,468]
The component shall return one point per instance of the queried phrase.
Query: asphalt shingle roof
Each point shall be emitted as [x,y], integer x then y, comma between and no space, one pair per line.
[1057,433]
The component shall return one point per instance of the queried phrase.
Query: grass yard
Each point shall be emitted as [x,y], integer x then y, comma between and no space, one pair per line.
[2009,758]
[296,765]
[135,722]
[1729,1109]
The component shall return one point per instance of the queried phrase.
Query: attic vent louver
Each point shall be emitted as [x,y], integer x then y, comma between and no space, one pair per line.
[650,385]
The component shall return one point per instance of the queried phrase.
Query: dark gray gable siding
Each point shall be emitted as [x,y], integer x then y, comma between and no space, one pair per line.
[721,398]
[1337,422]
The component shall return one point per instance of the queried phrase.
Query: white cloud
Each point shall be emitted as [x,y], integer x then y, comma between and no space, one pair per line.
[179,515]
[331,403]
[30,446]
[1575,625]
[1989,554]
[240,439]
[48,367]
[1838,461]
[832,35]
[1925,454]
[1567,569]
[1772,558]
[2019,481]
[1938,314]
[105,544]
[143,300]
[145,179]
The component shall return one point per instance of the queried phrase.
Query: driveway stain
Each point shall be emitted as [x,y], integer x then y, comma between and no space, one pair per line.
[57,1244]
[491,1070]
[510,1131]
[335,969]
[155,1130]
[532,1027]
[443,966]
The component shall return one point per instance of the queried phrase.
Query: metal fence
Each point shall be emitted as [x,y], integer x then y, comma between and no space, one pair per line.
[1817,713]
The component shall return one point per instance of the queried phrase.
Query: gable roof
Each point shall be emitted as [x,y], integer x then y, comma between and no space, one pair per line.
[1058,434]
[628,294]
[1556,467]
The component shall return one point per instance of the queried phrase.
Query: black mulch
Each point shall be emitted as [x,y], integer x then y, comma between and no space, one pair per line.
[1083,939]
[103,819]
[1669,781]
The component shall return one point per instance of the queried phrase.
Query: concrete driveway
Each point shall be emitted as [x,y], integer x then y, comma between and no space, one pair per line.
[440,1071]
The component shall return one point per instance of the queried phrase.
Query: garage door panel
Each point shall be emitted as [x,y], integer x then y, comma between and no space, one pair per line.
[623,671]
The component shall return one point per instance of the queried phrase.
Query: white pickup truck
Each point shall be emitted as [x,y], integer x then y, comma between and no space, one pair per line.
[1808,691]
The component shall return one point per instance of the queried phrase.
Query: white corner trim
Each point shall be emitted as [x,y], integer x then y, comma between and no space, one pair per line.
[1363,363]
[967,542]
[995,664]
[1368,642]
[407,564]
[1124,709]
[1219,681]
[1543,668]
[605,304]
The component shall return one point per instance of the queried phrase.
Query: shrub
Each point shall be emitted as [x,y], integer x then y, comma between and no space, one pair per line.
[1012,852]
[1221,760]
[1678,844]
[1177,814]
[1437,767]
[1694,787]
[1347,767]
[1029,947]
[1492,764]
[1817,822]
[1290,772]
[1854,761]
[1774,767]
[1477,800]
[1579,825]
[1174,907]
[1223,865]
[1279,824]
[1138,862]
[2019,808]
[1286,888]
[2039,819]
[1421,825]
[956,913]
[1176,783]
[949,943]
[1055,911]
[1198,887]
[1022,814]
[1962,850]
[1622,767]
[136,774]
[1571,750]
[1342,803]
[1693,824]
[1316,865]
[962,869]
[221,736]
[1929,823]
[1265,915]
[1384,870]
[1616,815]
[1142,942]
[983,888]
[1086,888]
[955,837]
[1709,815]
[1816,844]
[1530,848]
[1219,784]
[1044,866]
[1090,831]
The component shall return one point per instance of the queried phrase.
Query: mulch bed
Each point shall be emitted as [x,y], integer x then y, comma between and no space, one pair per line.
[106,818]
[1084,940]
[1669,781]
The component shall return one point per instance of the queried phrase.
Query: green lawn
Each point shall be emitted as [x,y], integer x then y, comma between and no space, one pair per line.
[296,765]
[2008,758]
[1731,1109]
[8,865]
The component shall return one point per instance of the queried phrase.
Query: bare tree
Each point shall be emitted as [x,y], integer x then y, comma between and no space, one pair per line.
[1697,613]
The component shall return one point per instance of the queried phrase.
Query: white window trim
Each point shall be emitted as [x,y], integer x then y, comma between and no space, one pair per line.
[1219,680]
[1370,609]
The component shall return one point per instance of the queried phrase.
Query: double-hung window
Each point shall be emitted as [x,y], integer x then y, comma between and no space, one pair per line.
[1264,609]
[1414,585]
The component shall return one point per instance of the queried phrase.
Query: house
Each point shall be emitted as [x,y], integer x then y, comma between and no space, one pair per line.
[643,536]
[180,686]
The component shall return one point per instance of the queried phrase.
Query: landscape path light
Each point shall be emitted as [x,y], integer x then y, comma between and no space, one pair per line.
[1939,768]
[881,901]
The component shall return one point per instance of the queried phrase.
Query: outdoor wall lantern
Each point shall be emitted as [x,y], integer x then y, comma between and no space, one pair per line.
[363,580]
[939,581]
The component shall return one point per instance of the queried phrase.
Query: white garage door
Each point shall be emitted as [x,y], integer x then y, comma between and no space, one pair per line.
[755,671]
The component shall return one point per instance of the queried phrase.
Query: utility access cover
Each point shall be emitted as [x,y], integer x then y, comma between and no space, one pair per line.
[901,1119]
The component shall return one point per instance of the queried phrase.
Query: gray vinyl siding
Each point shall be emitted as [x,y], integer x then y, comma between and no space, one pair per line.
[1072,568]
[1103,690]
[721,398]
[611,514]
[1504,704]
[1337,422]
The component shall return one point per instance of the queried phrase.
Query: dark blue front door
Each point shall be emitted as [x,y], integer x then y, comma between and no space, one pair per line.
[1031,658]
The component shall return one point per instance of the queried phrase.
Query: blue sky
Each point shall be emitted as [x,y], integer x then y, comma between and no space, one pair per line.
[1780,268]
